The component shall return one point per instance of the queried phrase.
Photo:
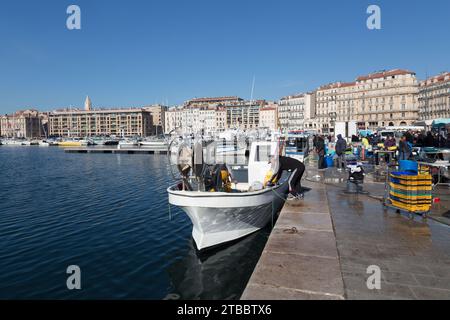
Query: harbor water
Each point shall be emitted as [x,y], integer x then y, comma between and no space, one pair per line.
[109,215]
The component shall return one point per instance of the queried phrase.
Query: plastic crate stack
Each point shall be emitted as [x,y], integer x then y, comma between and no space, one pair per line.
[411,191]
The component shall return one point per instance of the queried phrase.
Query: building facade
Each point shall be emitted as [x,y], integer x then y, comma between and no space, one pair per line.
[268,116]
[386,98]
[334,102]
[158,118]
[213,101]
[291,112]
[103,122]
[380,99]
[297,112]
[23,124]
[213,115]
[243,116]
[434,97]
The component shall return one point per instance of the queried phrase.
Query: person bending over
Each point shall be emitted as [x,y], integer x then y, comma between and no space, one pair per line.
[296,168]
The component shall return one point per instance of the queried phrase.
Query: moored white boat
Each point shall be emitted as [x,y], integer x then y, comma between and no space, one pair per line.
[154,144]
[220,217]
[14,142]
[128,143]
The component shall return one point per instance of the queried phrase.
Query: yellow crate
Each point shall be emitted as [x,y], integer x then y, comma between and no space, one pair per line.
[412,178]
[412,208]
[410,196]
[411,187]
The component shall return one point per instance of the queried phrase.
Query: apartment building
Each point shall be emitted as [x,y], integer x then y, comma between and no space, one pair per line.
[158,117]
[268,116]
[207,120]
[434,97]
[244,115]
[380,99]
[291,112]
[386,98]
[296,112]
[23,124]
[128,122]
[334,102]
[212,115]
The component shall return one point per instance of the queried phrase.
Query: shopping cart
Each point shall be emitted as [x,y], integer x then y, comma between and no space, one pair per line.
[407,191]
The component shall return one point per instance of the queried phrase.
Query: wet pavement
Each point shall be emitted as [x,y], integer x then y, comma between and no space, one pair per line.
[413,254]
[300,260]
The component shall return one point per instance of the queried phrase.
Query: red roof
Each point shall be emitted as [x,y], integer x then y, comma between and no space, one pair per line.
[383,74]
[214,99]
[337,85]
[445,76]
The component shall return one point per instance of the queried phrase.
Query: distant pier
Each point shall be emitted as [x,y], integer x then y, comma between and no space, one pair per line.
[117,150]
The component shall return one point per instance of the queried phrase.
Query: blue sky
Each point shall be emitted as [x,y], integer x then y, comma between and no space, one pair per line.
[138,52]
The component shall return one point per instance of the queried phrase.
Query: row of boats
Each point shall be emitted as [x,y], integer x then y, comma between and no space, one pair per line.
[120,143]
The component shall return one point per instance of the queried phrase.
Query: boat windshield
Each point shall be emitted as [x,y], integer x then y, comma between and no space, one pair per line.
[263,153]
[300,144]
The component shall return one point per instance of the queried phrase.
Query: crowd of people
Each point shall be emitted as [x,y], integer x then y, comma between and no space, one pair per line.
[403,146]
[415,138]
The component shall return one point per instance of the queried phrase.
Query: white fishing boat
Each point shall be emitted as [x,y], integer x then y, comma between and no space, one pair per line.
[153,144]
[128,143]
[10,142]
[219,217]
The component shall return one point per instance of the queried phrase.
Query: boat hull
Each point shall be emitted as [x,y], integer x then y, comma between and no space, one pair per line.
[219,218]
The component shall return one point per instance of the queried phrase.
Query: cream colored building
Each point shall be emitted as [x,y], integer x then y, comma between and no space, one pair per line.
[333,103]
[221,119]
[434,97]
[291,112]
[213,115]
[22,124]
[381,99]
[158,117]
[268,116]
[386,98]
[195,119]
[297,112]
[102,122]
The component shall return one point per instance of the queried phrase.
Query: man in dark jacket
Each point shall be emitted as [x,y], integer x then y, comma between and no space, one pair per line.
[320,148]
[297,169]
[341,146]
[404,149]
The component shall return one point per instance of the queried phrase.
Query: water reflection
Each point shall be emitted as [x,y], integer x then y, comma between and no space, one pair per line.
[219,273]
